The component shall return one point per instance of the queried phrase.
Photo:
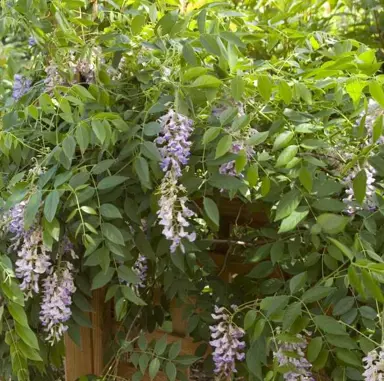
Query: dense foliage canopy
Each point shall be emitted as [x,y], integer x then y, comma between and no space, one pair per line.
[128,130]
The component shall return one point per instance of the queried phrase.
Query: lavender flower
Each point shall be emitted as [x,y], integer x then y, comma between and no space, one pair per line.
[374,366]
[226,341]
[21,86]
[175,151]
[32,41]
[58,289]
[33,259]
[292,355]
[230,167]
[140,268]
[369,201]
[175,132]
[53,77]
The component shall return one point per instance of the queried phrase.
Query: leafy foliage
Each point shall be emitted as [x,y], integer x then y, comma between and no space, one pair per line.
[285,111]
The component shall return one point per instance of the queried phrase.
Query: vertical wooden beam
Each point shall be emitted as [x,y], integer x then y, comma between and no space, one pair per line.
[78,360]
[97,317]
[88,358]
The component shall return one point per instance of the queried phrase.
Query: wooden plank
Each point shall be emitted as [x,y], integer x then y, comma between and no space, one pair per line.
[78,361]
[97,317]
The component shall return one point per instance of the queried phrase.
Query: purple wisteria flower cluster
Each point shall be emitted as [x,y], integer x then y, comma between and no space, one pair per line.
[230,167]
[373,112]
[21,86]
[33,263]
[53,77]
[58,288]
[140,268]
[226,341]
[374,366]
[175,151]
[33,259]
[292,355]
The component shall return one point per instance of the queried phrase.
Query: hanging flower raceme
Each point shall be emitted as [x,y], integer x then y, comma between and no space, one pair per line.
[374,366]
[58,288]
[292,356]
[33,259]
[374,110]
[370,202]
[175,151]
[21,86]
[226,341]
[140,268]
[53,77]
[230,167]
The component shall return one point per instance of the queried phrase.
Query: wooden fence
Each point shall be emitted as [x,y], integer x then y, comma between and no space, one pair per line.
[89,357]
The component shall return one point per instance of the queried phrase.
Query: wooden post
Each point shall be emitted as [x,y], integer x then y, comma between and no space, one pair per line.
[87,359]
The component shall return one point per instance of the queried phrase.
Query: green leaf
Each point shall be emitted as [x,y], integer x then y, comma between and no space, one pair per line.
[130,295]
[28,352]
[31,209]
[261,270]
[99,130]
[225,182]
[372,286]
[240,122]
[83,137]
[237,88]
[223,146]
[211,210]
[206,82]
[112,233]
[332,223]
[343,306]
[211,134]
[341,341]
[127,275]
[253,175]
[102,166]
[152,128]
[292,312]
[154,367]
[297,282]
[111,182]
[314,348]
[170,371]
[349,357]
[210,44]
[287,155]
[18,314]
[27,335]
[110,211]
[329,325]
[150,150]
[141,168]
[329,205]
[161,345]
[102,278]
[189,54]
[273,304]
[144,246]
[285,92]
[290,222]
[83,92]
[174,350]
[316,293]
[265,186]
[240,161]
[50,205]
[360,186]
[282,140]
[137,24]
[378,128]
[259,328]
[377,92]
[249,319]
[305,178]
[344,249]
[264,85]
[288,204]
[257,138]
[69,146]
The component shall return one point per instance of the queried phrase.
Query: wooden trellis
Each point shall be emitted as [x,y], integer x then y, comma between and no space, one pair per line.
[89,357]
